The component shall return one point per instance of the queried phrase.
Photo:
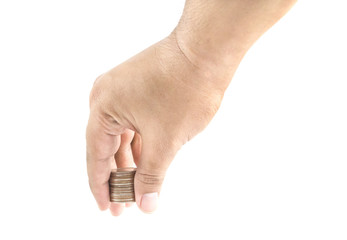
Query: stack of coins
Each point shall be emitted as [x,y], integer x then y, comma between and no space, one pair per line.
[122,185]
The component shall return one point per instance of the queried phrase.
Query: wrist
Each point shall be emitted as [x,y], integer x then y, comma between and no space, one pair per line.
[217,61]
[215,35]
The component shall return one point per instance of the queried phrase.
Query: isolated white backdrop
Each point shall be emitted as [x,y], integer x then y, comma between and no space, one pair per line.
[271,165]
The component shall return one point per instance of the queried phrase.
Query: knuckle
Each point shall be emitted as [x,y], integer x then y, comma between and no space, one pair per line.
[98,88]
[94,94]
[149,179]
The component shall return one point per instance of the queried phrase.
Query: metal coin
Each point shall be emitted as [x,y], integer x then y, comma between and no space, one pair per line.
[121,184]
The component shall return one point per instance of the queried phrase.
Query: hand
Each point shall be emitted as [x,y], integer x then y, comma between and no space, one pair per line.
[142,112]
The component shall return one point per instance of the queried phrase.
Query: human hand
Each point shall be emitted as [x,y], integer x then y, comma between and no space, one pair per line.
[144,110]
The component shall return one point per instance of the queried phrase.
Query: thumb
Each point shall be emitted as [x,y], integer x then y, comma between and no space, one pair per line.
[156,156]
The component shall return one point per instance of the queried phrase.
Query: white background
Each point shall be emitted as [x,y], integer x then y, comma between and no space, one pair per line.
[271,165]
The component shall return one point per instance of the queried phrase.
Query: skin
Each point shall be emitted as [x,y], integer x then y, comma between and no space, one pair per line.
[145,109]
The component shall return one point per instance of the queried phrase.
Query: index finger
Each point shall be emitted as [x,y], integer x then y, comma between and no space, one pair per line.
[103,141]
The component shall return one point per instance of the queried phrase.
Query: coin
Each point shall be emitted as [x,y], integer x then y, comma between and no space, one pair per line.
[121,184]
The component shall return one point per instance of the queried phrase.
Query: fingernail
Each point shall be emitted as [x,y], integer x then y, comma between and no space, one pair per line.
[149,202]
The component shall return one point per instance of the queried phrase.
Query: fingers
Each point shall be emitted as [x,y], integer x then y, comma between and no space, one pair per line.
[116,209]
[156,155]
[108,143]
[124,156]
[102,143]
[136,146]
